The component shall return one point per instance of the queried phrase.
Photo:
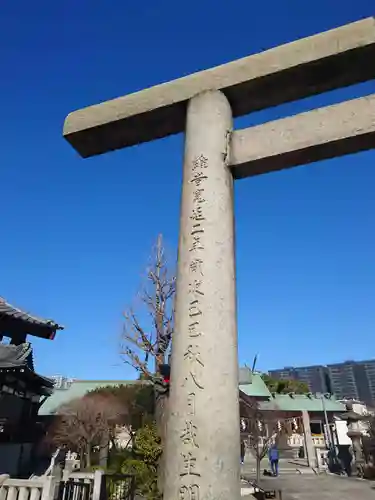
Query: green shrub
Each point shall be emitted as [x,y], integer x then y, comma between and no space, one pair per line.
[147,451]
[145,478]
[147,445]
[117,458]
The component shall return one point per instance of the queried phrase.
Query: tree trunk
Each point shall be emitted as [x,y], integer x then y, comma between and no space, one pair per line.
[161,417]
[82,458]
[113,444]
[258,469]
[104,450]
[88,456]
[161,400]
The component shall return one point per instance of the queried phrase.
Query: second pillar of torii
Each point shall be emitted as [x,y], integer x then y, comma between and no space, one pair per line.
[202,448]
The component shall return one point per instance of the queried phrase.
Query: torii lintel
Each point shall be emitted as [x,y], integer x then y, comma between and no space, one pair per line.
[312,65]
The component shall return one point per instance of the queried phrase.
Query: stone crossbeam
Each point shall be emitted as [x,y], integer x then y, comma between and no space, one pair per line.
[320,134]
[323,62]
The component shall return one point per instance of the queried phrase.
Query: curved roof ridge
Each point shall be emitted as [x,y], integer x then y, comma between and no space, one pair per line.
[13,313]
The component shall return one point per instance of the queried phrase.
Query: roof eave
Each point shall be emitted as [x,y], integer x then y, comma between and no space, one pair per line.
[14,319]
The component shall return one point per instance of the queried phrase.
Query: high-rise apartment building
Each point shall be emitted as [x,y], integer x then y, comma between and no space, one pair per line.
[348,380]
[353,380]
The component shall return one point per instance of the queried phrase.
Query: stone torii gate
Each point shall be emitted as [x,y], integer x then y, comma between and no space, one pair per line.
[202,445]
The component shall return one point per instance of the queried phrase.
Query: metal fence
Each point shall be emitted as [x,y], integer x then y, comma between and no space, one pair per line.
[75,490]
[118,487]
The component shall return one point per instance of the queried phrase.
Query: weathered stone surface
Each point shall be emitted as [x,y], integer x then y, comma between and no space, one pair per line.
[323,133]
[319,63]
[203,449]
[309,445]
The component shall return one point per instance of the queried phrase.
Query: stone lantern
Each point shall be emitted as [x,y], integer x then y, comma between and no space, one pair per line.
[353,420]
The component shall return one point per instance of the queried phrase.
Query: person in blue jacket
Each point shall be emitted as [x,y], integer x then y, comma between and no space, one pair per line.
[273,456]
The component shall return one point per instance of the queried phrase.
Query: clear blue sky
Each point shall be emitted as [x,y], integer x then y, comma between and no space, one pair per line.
[76,234]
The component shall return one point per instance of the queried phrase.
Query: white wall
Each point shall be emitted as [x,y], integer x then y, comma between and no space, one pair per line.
[123,437]
[342,433]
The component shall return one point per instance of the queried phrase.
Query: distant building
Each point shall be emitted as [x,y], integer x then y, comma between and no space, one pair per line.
[348,380]
[353,380]
[316,377]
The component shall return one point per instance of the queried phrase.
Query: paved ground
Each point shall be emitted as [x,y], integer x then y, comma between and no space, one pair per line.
[285,466]
[322,487]
[299,482]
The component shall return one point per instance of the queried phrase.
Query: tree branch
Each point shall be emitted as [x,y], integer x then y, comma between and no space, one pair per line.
[142,344]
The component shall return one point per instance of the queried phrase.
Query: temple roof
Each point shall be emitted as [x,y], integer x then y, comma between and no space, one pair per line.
[14,320]
[252,385]
[19,359]
[12,356]
[77,389]
[299,402]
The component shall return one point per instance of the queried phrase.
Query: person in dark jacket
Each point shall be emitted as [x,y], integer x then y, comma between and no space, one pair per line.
[242,451]
[273,456]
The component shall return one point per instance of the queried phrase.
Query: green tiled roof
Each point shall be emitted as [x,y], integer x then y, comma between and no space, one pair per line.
[252,384]
[78,389]
[295,402]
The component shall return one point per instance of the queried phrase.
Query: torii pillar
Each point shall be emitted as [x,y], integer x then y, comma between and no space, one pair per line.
[203,446]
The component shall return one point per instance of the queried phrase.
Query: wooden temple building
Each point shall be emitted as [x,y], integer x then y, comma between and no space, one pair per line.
[22,390]
[305,417]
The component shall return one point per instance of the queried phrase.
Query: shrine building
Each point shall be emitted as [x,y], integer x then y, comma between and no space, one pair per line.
[22,389]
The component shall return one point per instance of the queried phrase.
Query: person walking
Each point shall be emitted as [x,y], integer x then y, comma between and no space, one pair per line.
[242,451]
[273,456]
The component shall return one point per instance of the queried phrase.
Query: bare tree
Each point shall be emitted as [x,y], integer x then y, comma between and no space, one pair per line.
[262,428]
[146,346]
[84,423]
